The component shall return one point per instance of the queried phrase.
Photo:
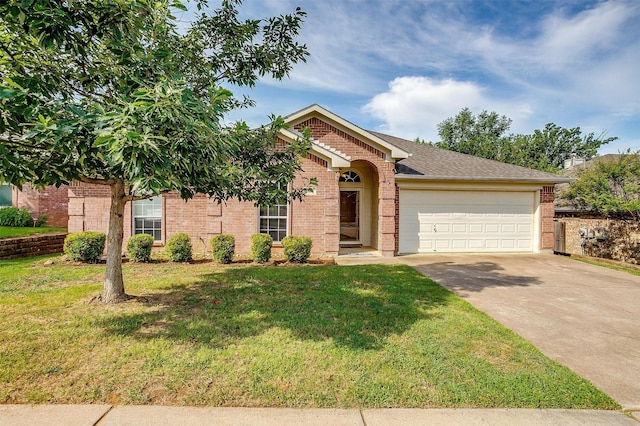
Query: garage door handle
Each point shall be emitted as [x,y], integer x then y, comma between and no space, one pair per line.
[434,229]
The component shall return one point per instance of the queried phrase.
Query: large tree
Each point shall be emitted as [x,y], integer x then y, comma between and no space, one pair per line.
[112,92]
[485,135]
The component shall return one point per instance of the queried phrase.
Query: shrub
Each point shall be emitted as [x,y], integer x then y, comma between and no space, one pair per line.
[179,248]
[84,246]
[139,248]
[42,220]
[297,249]
[222,248]
[13,216]
[261,247]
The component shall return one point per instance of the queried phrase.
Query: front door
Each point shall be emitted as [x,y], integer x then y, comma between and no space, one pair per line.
[349,215]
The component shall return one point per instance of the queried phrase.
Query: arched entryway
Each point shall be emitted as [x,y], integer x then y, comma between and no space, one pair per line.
[358,200]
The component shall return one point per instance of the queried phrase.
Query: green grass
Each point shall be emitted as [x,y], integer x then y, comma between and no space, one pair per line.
[305,336]
[616,266]
[11,231]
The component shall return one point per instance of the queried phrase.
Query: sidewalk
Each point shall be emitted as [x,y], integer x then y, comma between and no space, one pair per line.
[141,415]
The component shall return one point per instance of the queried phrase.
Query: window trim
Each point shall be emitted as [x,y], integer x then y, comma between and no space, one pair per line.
[160,218]
[286,218]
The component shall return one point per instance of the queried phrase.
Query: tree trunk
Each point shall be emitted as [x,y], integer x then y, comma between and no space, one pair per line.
[114,285]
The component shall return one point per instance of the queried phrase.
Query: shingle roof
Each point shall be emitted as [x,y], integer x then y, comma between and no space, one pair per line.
[430,163]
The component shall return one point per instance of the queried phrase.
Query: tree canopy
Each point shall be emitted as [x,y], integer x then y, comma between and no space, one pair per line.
[485,135]
[110,92]
[608,186]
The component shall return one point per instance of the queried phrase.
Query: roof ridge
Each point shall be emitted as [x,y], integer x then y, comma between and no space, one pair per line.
[457,164]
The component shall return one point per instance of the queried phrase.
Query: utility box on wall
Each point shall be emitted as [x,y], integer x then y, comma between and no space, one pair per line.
[600,233]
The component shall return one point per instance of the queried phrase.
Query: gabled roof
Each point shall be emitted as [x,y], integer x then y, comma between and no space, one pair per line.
[430,163]
[394,151]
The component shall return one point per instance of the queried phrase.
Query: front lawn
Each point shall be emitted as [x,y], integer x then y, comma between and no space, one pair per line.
[285,336]
[12,231]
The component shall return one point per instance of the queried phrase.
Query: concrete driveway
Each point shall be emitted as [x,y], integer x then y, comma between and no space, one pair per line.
[584,316]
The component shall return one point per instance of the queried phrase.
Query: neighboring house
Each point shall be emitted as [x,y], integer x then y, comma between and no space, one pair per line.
[374,190]
[49,201]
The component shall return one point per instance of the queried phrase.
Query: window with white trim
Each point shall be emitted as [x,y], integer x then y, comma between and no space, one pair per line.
[273,220]
[349,176]
[147,217]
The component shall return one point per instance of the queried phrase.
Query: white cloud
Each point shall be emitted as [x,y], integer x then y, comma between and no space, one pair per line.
[413,106]
[419,62]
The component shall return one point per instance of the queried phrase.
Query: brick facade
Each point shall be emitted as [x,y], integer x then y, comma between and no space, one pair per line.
[547,212]
[50,201]
[317,216]
[359,151]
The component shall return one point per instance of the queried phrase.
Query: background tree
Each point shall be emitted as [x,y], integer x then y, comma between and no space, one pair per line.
[486,136]
[609,186]
[109,92]
[481,135]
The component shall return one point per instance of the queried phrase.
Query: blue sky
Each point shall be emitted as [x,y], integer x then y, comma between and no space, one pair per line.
[403,66]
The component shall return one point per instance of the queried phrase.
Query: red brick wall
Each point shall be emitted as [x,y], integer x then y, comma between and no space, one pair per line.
[547,213]
[50,201]
[89,207]
[201,217]
[317,216]
[358,150]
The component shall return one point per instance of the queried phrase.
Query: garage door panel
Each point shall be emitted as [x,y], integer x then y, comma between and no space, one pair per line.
[459,228]
[491,227]
[507,243]
[442,244]
[507,228]
[475,244]
[459,221]
[491,244]
[524,228]
[475,227]
[524,244]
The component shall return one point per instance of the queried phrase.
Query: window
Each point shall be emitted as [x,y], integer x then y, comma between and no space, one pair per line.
[147,217]
[5,195]
[349,176]
[273,220]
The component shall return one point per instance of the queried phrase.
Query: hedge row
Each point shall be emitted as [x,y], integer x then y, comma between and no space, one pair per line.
[88,247]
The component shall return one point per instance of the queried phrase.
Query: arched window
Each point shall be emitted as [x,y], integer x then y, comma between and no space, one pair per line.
[349,176]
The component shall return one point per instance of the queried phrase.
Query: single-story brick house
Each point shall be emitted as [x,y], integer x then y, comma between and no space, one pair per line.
[374,190]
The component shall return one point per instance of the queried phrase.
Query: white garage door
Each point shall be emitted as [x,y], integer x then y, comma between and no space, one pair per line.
[466,221]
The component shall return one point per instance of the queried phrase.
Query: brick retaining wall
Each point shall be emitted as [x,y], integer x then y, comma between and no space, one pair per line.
[34,245]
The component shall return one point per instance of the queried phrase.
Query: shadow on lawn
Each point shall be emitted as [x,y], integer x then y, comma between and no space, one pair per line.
[355,306]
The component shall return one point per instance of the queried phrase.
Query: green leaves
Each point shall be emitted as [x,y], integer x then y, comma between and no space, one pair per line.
[113,92]
[609,186]
[485,136]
